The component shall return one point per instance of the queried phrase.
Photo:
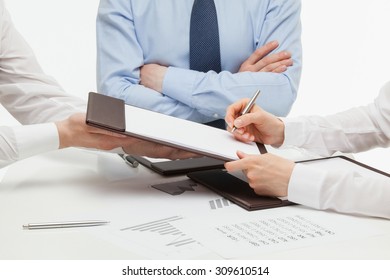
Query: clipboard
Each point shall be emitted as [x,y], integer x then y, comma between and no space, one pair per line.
[336,163]
[113,114]
[181,166]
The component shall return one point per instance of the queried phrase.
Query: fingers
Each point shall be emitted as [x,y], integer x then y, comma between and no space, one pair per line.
[107,142]
[238,165]
[180,154]
[174,153]
[280,69]
[154,150]
[241,155]
[234,117]
[278,66]
[79,120]
[243,136]
[243,132]
[95,130]
[273,61]
[248,119]
[261,52]
[234,110]
[261,60]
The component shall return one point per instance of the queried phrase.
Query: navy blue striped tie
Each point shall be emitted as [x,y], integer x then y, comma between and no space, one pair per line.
[204,37]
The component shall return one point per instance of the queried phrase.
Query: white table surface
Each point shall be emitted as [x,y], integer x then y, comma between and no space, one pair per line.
[74,184]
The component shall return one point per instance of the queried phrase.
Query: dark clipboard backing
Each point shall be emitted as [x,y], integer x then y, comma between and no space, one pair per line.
[181,166]
[106,112]
[349,160]
[235,190]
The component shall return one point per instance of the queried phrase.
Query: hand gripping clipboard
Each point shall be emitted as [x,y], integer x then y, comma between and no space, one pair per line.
[239,191]
[236,190]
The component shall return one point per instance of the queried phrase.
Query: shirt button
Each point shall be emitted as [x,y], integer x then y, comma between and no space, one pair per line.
[216,116]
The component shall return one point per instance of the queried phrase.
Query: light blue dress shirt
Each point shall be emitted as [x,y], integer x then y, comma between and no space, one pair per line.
[131,33]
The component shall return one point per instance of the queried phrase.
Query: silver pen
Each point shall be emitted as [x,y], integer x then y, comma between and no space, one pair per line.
[249,106]
[129,160]
[70,224]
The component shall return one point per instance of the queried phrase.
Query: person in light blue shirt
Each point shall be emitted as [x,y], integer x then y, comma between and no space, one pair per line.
[143,56]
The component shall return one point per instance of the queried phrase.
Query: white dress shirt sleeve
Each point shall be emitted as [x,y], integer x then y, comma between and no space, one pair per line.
[354,130]
[24,141]
[30,96]
[339,191]
[26,91]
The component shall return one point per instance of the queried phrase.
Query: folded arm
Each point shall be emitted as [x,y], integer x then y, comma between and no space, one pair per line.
[191,94]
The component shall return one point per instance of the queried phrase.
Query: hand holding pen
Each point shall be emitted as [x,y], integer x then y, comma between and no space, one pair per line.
[251,123]
[248,106]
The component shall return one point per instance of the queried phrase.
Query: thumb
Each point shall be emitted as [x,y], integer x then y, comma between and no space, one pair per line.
[237,164]
[241,155]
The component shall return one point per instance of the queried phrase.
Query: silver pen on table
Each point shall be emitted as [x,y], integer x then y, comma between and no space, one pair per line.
[249,106]
[70,224]
[129,160]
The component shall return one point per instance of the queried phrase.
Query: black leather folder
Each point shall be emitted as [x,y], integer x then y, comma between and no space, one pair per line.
[106,112]
[235,190]
[182,166]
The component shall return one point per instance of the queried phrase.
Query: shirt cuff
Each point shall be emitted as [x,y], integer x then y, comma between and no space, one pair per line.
[305,185]
[294,132]
[36,139]
[178,84]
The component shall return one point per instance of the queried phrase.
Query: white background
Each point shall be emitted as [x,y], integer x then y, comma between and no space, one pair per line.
[346,48]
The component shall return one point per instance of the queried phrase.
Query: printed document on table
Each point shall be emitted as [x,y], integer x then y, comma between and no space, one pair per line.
[235,234]
[143,219]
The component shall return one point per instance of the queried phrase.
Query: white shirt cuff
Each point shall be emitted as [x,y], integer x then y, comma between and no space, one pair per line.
[36,139]
[305,185]
[294,132]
